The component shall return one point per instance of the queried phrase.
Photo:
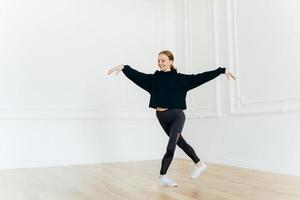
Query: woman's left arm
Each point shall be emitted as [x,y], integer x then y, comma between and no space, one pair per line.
[195,80]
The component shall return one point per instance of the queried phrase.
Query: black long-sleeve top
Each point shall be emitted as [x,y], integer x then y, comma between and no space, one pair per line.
[169,89]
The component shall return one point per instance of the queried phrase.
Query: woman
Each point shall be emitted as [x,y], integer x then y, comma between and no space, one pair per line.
[168,91]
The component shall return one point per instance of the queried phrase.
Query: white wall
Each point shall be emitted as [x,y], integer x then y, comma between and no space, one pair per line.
[259,112]
[58,106]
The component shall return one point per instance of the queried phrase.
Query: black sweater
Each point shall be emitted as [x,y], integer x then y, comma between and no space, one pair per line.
[169,89]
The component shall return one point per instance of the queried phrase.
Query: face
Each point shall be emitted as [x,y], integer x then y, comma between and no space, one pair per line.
[164,63]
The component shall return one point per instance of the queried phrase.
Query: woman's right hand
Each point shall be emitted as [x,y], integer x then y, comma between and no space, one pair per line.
[116,69]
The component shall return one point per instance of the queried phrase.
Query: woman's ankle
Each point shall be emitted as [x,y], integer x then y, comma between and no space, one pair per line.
[199,164]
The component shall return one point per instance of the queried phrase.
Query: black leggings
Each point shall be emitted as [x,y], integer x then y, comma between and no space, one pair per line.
[172,121]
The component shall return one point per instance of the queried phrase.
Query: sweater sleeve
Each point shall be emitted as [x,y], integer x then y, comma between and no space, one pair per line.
[141,79]
[195,80]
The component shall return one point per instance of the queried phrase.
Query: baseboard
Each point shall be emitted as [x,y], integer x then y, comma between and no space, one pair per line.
[293,170]
[112,158]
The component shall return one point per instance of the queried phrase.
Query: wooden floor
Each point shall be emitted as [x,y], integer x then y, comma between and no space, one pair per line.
[139,180]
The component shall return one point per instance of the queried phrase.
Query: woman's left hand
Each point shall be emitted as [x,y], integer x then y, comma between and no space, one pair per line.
[229,75]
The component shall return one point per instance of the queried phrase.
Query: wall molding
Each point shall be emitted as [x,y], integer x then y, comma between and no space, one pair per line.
[213,107]
[239,105]
[73,114]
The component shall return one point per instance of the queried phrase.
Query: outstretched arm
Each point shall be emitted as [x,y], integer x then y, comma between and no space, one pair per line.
[195,80]
[141,79]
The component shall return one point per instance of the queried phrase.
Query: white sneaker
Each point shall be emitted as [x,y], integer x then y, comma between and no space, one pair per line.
[198,170]
[166,181]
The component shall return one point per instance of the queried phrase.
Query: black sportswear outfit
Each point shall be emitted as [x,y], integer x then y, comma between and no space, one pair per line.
[168,90]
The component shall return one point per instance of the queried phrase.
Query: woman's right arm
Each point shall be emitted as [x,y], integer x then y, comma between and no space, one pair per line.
[141,79]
